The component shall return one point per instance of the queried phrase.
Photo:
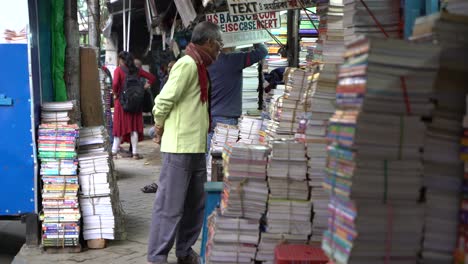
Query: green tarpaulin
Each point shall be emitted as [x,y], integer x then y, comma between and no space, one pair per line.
[58,49]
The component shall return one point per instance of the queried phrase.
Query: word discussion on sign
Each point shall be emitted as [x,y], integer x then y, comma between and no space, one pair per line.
[237,23]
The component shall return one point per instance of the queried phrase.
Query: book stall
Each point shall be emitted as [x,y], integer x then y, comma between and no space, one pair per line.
[365,147]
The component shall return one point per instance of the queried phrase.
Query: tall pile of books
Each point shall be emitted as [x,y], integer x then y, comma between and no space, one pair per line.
[106,92]
[333,45]
[249,88]
[57,153]
[234,229]
[322,9]
[103,217]
[461,252]
[443,174]
[291,106]
[289,209]
[358,19]
[374,169]
[96,206]
[312,131]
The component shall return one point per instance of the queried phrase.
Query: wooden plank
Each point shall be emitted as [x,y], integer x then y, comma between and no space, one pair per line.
[90,90]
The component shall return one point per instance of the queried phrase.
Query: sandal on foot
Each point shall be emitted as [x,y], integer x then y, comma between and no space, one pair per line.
[150,188]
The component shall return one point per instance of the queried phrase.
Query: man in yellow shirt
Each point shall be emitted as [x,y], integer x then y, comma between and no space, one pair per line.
[181,115]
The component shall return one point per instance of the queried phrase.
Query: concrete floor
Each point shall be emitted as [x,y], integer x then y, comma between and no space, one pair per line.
[12,237]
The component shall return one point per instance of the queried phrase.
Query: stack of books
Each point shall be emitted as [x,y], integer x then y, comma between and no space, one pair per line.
[444,170]
[57,112]
[99,197]
[222,134]
[358,19]
[106,92]
[291,106]
[333,45]
[374,169]
[231,240]
[61,209]
[321,11]
[249,127]
[461,253]
[287,171]
[288,218]
[245,193]
[249,89]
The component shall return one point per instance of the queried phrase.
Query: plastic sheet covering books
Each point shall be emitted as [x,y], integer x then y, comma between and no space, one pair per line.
[99,197]
[57,142]
[374,169]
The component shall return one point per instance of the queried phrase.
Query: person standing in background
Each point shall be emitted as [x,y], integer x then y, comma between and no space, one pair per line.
[182,118]
[128,127]
[226,78]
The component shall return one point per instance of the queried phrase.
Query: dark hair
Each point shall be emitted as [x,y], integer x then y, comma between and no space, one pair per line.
[205,31]
[128,58]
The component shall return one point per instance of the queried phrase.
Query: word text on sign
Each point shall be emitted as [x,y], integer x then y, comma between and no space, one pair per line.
[244,7]
[232,23]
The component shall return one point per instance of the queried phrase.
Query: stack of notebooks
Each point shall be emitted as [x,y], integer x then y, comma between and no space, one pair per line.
[312,131]
[222,134]
[291,106]
[61,209]
[99,197]
[358,20]
[443,168]
[231,240]
[57,112]
[322,9]
[249,127]
[374,169]
[333,46]
[461,253]
[288,218]
[287,171]
[245,188]
[249,89]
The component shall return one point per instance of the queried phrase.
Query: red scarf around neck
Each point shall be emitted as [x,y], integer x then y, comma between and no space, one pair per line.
[203,60]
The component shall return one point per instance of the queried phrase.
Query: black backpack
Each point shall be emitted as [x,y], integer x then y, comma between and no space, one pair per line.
[133,93]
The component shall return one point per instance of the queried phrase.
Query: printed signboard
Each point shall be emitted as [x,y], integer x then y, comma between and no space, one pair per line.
[248,7]
[233,23]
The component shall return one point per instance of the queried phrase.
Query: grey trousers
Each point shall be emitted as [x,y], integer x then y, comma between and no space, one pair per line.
[179,205]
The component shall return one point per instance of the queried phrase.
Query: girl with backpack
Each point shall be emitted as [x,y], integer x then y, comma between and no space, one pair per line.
[128,117]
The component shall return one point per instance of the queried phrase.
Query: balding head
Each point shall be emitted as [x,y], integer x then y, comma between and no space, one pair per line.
[204,32]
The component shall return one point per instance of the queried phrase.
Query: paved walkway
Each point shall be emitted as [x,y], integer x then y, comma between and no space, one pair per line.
[132,175]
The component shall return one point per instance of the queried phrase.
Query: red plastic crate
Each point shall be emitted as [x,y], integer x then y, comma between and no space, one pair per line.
[303,254]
